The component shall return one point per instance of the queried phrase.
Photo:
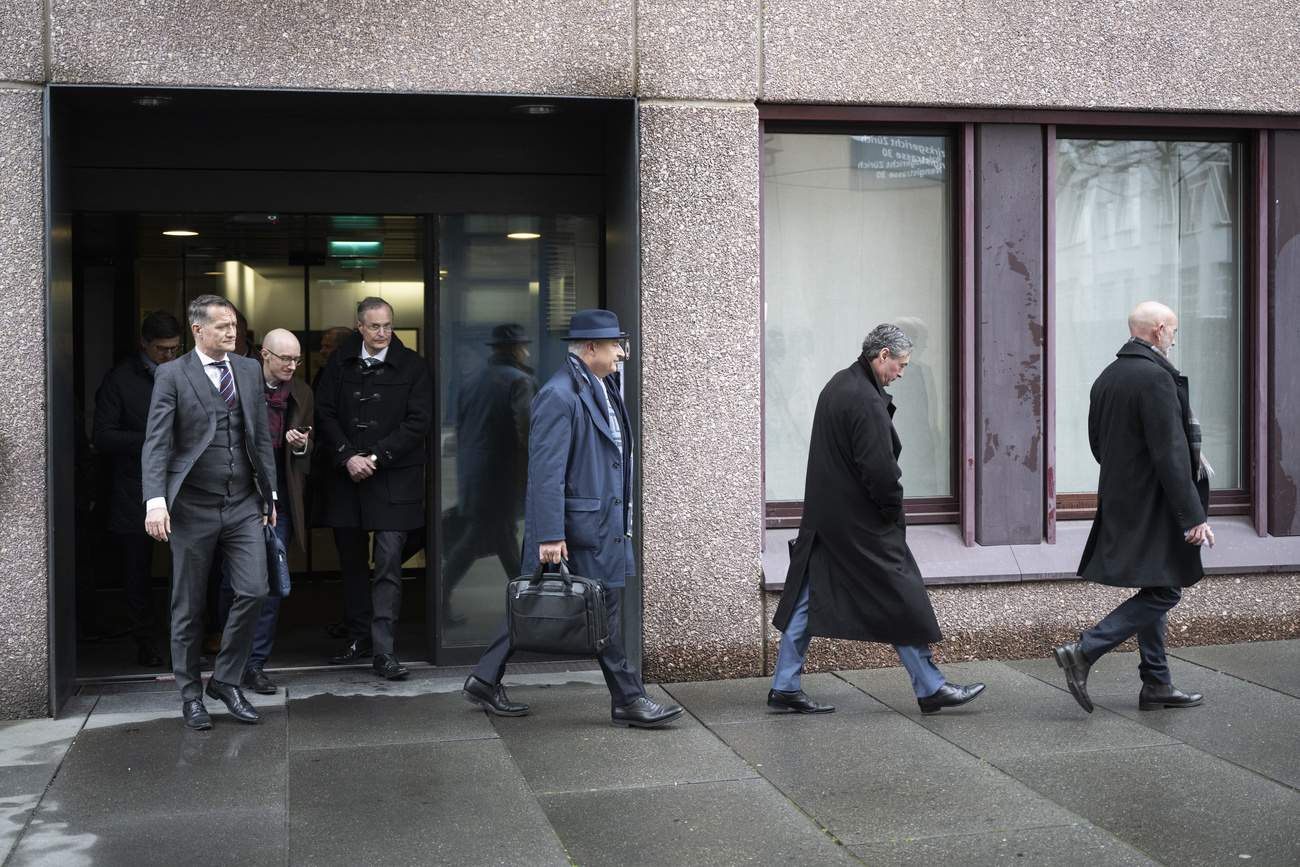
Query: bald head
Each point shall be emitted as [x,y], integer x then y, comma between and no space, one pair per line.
[1155,323]
[277,346]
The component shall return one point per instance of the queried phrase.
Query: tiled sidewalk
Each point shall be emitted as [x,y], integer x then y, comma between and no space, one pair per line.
[346,769]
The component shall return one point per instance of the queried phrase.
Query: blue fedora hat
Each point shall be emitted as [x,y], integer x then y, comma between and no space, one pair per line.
[593,325]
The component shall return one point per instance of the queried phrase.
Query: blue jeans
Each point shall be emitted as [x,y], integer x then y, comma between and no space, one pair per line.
[264,634]
[793,653]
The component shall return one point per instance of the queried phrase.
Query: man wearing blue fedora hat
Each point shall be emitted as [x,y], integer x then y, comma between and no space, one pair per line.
[578,507]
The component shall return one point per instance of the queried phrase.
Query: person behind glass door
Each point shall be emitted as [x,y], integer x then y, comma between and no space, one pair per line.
[208,476]
[121,416]
[851,573]
[373,411]
[579,508]
[289,413]
[1153,496]
[492,412]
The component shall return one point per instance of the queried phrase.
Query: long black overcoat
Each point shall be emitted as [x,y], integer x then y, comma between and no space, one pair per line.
[1148,494]
[864,583]
[384,410]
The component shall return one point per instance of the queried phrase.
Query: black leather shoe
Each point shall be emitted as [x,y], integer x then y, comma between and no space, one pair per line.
[1157,695]
[147,655]
[645,713]
[359,649]
[234,700]
[256,680]
[492,698]
[949,695]
[387,666]
[195,715]
[797,701]
[1070,658]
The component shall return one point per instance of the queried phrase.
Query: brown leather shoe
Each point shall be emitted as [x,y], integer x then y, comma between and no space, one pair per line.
[1154,696]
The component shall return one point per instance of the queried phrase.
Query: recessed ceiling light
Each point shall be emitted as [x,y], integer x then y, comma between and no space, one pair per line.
[180,233]
[152,101]
[535,108]
[523,236]
[214,273]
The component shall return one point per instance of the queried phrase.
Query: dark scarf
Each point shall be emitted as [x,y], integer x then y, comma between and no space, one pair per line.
[277,402]
[1191,426]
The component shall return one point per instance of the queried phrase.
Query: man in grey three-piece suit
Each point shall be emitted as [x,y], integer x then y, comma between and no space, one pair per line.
[209,482]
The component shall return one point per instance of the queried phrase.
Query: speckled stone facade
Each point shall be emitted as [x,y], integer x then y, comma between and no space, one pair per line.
[22,48]
[1019,621]
[1199,55]
[561,47]
[703,50]
[700,414]
[24,640]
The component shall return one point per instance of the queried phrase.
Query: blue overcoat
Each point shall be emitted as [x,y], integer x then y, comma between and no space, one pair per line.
[579,480]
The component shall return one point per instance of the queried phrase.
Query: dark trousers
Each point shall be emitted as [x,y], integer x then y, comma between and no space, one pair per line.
[202,524]
[623,680]
[483,535]
[137,575]
[370,608]
[1143,615]
[264,635]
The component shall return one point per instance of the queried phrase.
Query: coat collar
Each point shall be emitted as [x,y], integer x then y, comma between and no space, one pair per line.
[1142,350]
[585,381]
[350,349]
[870,371]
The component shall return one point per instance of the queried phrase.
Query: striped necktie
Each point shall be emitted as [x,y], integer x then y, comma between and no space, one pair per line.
[227,384]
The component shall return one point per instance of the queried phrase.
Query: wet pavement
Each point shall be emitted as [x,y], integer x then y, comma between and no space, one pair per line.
[347,769]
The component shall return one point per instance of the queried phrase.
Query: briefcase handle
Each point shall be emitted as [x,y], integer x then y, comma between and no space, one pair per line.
[541,572]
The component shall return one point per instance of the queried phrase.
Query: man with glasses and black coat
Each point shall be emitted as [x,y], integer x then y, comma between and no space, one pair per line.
[373,410]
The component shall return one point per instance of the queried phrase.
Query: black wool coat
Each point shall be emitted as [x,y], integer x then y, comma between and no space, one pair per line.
[121,414]
[385,410]
[1148,494]
[863,582]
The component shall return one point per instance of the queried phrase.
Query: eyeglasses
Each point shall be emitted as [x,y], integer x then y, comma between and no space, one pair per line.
[288,359]
[165,350]
[379,329]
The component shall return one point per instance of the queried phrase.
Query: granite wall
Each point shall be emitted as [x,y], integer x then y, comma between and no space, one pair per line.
[24,595]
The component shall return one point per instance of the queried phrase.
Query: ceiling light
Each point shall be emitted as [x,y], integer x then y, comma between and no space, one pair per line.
[214,273]
[180,233]
[356,248]
[535,108]
[523,236]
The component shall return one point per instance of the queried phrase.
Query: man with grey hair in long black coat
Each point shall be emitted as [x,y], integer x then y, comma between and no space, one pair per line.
[851,573]
[1152,500]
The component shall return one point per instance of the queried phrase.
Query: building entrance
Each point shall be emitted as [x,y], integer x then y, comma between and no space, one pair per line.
[482,228]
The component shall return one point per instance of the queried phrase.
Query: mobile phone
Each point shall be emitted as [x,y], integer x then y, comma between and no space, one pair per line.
[303,429]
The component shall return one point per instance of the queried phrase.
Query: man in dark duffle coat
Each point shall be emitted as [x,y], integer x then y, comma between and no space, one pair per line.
[1153,496]
[209,482]
[851,573]
[373,409]
[578,507]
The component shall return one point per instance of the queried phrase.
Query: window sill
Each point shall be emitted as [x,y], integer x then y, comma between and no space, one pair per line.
[945,560]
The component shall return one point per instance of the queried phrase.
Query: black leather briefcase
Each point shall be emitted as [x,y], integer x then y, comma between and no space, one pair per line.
[556,612]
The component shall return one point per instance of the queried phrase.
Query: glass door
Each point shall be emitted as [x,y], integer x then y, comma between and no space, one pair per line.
[507,285]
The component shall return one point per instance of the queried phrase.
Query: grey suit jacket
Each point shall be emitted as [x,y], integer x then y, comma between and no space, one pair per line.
[183,420]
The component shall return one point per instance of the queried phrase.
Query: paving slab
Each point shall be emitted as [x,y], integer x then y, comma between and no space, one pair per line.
[566,742]
[1268,663]
[325,721]
[745,700]
[1176,803]
[449,802]
[1247,724]
[1069,846]
[1114,674]
[153,792]
[879,776]
[705,824]
[1015,715]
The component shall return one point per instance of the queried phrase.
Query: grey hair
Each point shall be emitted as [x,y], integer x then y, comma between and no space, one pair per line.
[576,346]
[371,303]
[886,336]
[198,311]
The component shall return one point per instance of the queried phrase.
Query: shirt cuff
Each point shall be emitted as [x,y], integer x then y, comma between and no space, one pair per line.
[155,503]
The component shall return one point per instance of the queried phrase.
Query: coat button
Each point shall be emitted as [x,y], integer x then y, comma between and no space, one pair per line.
[619,540]
[615,464]
[618,502]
